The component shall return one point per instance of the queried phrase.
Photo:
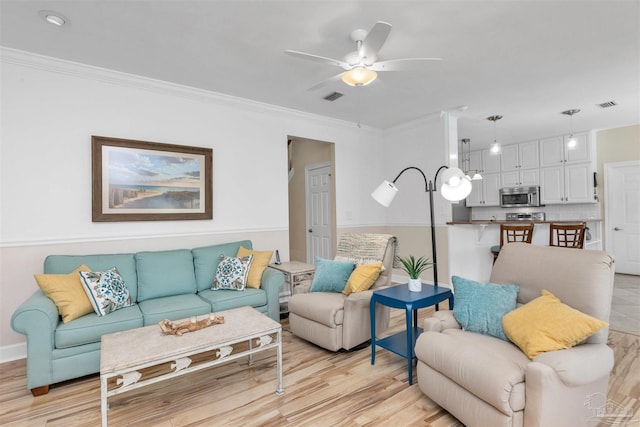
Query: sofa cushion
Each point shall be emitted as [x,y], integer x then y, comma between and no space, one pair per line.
[546,324]
[106,290]
[490,368]
[165,273]
[362,278]
[206,259]
[226,299]
[326,308]
[89,328]
[331,276]
[125,263]
[67,292]
[232,273]
[261,260]
[479,307]
[173,308]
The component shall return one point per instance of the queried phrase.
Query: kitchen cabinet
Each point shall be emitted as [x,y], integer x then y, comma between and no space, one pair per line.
[484,161]
[519,164]
[520,156]
[485,192]
[520,178]
[555,151]
[566,174]
[567,184]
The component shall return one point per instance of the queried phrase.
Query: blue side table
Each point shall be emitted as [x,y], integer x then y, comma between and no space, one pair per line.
[403,343]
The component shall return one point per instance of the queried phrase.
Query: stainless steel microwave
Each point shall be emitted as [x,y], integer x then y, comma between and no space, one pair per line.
[517,197]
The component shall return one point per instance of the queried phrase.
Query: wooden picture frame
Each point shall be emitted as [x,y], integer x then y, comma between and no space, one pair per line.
[150,181]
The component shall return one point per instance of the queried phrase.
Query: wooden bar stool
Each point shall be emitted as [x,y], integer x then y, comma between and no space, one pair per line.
[567,235]
[514,233]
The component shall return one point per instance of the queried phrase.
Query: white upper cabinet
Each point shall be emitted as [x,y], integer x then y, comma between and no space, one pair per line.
[520,156]
[484,161]
[555,151]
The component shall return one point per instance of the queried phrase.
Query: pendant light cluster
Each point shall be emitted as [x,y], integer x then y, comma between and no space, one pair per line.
[571,143]
[472,175]
[495,147]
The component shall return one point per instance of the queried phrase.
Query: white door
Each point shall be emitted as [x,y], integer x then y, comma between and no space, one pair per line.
[491,182]
[319,227]
[622,206]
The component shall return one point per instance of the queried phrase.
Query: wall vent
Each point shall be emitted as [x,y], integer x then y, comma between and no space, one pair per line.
[333,96]
[607,104]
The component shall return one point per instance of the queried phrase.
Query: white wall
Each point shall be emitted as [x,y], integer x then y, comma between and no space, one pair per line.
[50,109]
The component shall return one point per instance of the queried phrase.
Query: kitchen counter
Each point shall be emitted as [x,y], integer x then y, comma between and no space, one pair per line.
[490,221]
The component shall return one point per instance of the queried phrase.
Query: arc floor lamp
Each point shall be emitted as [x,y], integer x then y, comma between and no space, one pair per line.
[456,186]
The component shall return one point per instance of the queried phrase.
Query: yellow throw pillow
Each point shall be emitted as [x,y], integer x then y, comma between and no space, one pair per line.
[261,260]
[546,324]
[67,293]
[362,278]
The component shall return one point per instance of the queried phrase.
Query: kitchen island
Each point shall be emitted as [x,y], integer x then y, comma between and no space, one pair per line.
[470,243]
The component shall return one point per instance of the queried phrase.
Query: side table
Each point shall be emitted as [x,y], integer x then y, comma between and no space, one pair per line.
[403,343]
[294,273]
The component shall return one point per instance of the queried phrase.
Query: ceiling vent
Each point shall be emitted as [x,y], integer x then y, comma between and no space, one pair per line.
[607,104]
[333,96]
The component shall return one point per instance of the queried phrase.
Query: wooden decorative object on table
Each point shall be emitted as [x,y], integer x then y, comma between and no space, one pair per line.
[170,328]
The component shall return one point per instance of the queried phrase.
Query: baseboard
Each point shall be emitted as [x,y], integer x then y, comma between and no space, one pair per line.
[12,352]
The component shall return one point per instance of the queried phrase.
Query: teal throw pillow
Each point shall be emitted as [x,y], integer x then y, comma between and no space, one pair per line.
[479,307]
[331,276]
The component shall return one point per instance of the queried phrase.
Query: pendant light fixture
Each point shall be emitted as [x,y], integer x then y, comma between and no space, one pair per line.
[495,147]
[571,143]
[473,175]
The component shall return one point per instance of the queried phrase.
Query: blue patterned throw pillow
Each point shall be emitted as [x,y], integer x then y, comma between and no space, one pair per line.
[232,273]
[106,290]
[331,276]
[479,307]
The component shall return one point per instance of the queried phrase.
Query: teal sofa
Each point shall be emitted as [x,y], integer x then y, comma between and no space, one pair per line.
[172,285]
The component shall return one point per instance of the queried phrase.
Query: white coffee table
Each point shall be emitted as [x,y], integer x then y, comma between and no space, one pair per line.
[125,354]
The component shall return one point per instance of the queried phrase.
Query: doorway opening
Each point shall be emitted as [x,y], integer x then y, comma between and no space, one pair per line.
[312,215]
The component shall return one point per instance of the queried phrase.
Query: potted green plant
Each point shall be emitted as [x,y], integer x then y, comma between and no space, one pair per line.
[414,267]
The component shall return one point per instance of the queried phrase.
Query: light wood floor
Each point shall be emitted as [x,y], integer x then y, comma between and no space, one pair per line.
[322,389]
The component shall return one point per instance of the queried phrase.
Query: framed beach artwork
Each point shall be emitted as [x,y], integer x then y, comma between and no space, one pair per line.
[150,181]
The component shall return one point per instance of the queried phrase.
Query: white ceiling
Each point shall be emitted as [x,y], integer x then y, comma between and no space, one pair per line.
[524,60]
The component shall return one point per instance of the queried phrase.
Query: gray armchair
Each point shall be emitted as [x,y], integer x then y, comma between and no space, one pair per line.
[336,321]
[485,381]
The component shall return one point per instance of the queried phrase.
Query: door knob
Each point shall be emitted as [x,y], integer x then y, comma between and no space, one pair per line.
[618,228]
[310,230]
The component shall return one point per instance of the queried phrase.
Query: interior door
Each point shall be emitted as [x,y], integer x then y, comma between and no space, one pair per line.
[622,204]
[319,227]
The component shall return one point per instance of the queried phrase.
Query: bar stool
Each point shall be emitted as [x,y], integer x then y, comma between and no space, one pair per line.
[514,233]
[567,235]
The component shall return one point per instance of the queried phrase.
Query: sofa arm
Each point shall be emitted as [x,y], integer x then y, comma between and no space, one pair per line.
[441,320]
[37,318]
[272,281]
[578,365]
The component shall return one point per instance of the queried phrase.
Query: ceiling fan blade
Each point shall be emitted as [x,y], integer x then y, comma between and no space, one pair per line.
[402,64]
[374,41]
[323,83]
[318,58]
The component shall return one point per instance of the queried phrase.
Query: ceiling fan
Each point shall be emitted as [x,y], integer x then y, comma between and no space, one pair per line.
[361,66]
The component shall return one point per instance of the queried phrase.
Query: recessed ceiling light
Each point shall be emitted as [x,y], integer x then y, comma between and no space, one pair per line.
[54,18]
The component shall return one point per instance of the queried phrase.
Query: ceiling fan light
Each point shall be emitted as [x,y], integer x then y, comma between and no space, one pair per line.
[359,76]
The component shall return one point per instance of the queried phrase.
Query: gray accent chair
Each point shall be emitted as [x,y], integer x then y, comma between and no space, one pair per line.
[485,381]
[335,321]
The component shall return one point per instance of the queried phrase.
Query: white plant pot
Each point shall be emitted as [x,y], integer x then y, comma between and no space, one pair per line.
[415,285]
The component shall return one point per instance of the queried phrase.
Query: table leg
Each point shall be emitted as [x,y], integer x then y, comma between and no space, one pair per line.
[103,400]
[280,389]
[451,302]
[372,317]
[409,343]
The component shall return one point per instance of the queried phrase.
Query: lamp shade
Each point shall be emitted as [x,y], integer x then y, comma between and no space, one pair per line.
[359,76]
[455,186]
[385,193]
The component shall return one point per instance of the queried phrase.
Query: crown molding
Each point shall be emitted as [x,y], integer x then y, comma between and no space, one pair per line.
[104,75]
